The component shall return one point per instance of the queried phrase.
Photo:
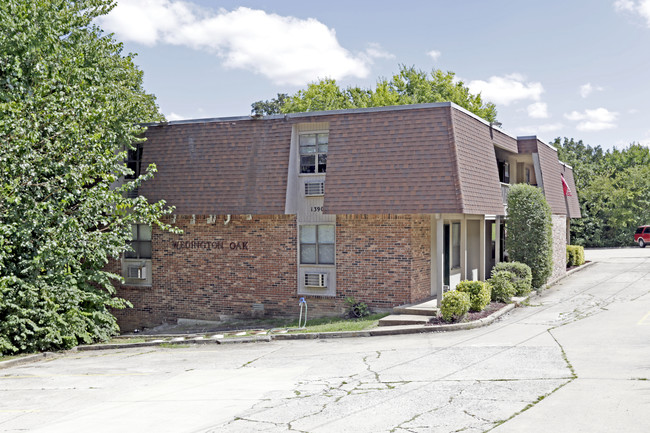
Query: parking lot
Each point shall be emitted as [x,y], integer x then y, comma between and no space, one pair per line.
[575,359]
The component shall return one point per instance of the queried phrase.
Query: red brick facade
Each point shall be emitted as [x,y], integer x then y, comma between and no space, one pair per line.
[213,271]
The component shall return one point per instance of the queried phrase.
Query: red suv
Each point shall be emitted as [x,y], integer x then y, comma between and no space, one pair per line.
[642,236]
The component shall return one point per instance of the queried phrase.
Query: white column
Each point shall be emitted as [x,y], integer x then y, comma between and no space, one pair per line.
[481,234]
[437,259]
[463,248]
[497,242]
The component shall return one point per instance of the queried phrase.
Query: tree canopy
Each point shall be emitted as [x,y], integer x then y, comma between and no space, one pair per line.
[408,86]
[613,188]
[71,106]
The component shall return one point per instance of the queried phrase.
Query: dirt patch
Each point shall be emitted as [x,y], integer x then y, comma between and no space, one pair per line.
[472,316]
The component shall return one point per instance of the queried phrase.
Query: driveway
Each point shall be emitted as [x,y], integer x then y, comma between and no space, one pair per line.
[576,359]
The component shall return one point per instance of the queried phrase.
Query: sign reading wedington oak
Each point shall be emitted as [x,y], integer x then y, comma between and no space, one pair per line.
[209,245]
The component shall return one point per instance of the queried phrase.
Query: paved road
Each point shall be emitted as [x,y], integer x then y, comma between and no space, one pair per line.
[576,360]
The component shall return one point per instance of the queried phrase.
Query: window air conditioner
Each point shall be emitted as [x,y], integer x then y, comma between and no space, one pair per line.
[136,272]
[316,280]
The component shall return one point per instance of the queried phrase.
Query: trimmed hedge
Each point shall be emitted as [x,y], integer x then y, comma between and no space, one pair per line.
[454,305]
[502,287]
[523,276]
[529,231]
[575,255]
[479,294]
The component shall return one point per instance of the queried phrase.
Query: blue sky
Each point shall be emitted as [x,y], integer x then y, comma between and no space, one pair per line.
[554,68]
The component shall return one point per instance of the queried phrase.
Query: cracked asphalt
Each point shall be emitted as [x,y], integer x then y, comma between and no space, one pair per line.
[577,359]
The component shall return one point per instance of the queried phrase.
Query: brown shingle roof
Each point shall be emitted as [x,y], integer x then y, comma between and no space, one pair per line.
[550,168]
[432,158]
[237,167]
[477,164]
[572,203]
[391,162]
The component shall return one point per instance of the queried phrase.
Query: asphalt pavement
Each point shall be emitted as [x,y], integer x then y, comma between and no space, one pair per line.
[577,358]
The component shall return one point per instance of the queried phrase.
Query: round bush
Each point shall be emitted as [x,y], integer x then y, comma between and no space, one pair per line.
[529,231]
[479,294]
[454,306]
[502,287]
[523,277]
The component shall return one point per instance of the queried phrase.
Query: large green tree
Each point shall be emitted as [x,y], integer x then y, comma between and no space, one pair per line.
[71,103]
[408,86]
[614,191]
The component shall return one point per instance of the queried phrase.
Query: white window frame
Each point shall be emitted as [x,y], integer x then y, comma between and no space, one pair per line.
[317,244]
[317,154]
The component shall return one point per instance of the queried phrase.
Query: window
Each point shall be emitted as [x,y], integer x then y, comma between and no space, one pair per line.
[317,244]
[313,152]
[455,245]
[141,242]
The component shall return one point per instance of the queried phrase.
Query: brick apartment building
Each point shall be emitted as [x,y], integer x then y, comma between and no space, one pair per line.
[386,205]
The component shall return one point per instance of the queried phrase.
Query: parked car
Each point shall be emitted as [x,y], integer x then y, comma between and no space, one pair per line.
[642,236]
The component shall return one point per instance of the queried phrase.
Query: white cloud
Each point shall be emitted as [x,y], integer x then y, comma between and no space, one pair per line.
[285,49]
[539,129]
[434,54]
[506,90]
[538,110]
[593,120]
[640,7]
[588,89]
[173,116]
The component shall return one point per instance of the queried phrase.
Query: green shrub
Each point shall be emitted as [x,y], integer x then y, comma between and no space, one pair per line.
[575,255]
[356,309]
[502,287]
[529,231]
[523,276]
[479,294]
[454,306]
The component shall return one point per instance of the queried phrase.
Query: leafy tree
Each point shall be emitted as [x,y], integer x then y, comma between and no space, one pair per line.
[71,104]
[614,191]
[529,231]
[409,86]
[271,106]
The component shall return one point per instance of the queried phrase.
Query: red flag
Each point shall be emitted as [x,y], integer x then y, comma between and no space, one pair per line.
[565,187]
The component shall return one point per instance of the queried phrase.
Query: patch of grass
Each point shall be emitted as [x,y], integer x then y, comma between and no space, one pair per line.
[174,346]
[126,340]
[337,324]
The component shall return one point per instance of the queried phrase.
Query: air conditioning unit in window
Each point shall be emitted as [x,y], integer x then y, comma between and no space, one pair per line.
[314,188]
[136,272]
[316,280]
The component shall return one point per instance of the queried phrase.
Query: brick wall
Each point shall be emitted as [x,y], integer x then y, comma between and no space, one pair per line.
[559,246]
[215,271]
[378,257]
[421,265]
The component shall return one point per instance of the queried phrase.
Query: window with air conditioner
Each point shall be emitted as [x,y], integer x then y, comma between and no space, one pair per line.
[313,152]
[317,244]
[140,242]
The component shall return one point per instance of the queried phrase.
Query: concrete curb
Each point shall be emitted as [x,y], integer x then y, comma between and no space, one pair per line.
[26,359]
[376,332]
